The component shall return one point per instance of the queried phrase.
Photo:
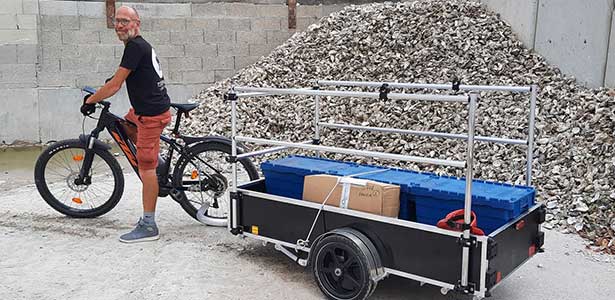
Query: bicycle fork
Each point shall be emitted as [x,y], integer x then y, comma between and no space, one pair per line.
[84,173]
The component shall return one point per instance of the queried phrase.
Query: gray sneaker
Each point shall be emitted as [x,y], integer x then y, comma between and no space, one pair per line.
[142,233]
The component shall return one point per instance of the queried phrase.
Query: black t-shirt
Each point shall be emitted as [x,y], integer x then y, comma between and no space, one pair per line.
[145,84]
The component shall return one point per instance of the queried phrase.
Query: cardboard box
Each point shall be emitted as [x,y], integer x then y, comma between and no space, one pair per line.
[359,194]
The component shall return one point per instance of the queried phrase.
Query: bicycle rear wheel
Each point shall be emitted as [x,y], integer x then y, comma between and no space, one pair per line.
[56,170]
[204,178]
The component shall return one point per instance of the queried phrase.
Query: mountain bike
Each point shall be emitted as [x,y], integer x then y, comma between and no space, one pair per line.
[81,178]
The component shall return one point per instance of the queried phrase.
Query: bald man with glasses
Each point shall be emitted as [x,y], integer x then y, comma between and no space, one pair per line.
[140,69]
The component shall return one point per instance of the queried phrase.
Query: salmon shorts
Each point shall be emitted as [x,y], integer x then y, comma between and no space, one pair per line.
[149,129]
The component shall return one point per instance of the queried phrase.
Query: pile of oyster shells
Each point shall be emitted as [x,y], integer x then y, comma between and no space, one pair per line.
[432,42]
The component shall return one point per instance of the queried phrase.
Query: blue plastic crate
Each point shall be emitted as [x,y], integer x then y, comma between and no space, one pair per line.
[291,170]
[495,204]
[424,197]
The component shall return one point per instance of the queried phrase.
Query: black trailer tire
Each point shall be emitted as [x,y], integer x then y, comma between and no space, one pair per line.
[341,269]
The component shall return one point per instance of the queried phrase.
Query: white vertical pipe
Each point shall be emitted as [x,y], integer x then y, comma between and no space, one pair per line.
[530,135]
[467,214]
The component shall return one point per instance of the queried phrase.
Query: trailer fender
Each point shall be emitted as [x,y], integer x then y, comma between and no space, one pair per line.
[376,268]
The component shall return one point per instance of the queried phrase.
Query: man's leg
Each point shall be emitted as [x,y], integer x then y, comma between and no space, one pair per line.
[148,146]
[150,189]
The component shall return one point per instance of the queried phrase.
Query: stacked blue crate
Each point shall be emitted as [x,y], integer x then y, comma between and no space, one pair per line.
[424,197]
[495,204]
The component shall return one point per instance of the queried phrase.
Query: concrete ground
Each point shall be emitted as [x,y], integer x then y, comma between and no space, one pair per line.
[44,255]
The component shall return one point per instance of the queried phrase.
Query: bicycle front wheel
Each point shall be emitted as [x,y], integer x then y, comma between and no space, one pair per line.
[56,170]
[204,177]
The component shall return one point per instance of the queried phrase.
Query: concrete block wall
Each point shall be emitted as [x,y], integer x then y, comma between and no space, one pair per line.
[18,58]
[52,48]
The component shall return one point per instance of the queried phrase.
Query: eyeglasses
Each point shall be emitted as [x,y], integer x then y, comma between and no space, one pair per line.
[124,22]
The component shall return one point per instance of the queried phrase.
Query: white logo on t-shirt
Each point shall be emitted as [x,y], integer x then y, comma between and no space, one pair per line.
[156,63]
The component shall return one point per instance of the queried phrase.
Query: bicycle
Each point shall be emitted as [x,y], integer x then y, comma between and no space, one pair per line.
[80,178]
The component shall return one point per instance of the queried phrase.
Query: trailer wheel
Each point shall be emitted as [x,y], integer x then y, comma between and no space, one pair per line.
[341,269]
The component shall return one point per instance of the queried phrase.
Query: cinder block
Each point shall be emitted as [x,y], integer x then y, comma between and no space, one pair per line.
[12,7]
[234,24]
[198,77]
[177,24]
[92,9]
[50,23]
[27,54]
[55,52]
[60,104]
[309,11]
[21,121]
[609,79]
[520,15]
[76,65]
[15,36]
[241,10]
[184,64]
[109,37]
[171,77]
[8,54]
[329,9]
[50,65]
[80,37]
[216,37]
[251,37]
[91,79]
[156,37]
[208,10]
[30,7]
[5,86]
[147,24]
[27,21]
[148,10]
[218,62]
[15,73]
[262,24]
[168,50]
[105,65]
[96,51]
[568,30]
[180,93]
[220,75]
[244,61]
[69,22]
[186,37]
[119,51]
[226,49]
[58,8]
[305,22]
[272,10]
[261,49]
[51,37]
[278,37]
[201,50]
[8,22]
[93,24]
[55,79]
[210,24]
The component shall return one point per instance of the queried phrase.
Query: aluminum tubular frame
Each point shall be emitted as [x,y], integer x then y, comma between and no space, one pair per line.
[518,89]
[533,90]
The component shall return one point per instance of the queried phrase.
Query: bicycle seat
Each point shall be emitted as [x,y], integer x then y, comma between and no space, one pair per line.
[184,107]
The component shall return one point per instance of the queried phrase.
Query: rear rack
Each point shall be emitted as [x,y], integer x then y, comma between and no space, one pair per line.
[235,93]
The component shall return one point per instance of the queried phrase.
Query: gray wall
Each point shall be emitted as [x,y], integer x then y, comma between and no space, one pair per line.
[574,35]
[50,48]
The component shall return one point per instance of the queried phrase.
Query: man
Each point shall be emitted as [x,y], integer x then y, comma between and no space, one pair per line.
[150,103]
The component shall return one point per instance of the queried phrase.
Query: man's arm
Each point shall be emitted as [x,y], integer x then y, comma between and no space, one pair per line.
[111,87]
